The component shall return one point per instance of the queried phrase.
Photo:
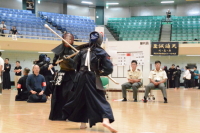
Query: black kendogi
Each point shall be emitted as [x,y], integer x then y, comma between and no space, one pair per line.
[88,103]
[64,80]
[167,80]
[176,76]
[23,93]
[171,80]
[6,76]
[43,63]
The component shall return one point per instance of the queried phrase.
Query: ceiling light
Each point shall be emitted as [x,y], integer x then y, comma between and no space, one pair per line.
[167,2]
[86,2]
[112,3]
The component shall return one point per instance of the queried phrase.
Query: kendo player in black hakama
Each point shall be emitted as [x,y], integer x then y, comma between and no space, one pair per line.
[23,93]
[6,75]
[64,80]
[44,63]
[88,103]
[49,77]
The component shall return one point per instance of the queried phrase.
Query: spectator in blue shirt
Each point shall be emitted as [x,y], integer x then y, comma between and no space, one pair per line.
[36,85]
[196,77]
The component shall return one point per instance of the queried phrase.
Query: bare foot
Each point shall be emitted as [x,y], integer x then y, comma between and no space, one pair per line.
[107,124]
[83,126]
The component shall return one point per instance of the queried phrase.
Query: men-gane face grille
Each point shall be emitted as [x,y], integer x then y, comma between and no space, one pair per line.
[69,38]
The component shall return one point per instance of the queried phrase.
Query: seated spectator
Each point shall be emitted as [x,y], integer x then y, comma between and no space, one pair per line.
[2,27]
[157,79]
[21,87]
[13,31]
[134,81]
[36,85]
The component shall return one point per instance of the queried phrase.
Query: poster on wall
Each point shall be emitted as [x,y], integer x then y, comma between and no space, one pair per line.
[139,57]
[165,48]
[121,59]
[30,4]
[126,58]
[112,51]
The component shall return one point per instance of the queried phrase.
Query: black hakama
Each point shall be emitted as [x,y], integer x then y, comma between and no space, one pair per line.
[88,103]
[49,87]
[61,94]
[6,76]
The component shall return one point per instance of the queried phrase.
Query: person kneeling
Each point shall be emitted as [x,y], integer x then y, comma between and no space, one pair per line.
[21,87]
[36,85]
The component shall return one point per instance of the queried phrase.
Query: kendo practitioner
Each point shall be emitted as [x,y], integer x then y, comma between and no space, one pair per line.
[64,80]
[44,63]
[172,69]
[23,93]
[177,76]
[88,103]
[6,75]
[36,85]
[167,81]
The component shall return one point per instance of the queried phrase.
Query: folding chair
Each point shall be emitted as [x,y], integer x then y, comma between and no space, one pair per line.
[105,83]
[141,89]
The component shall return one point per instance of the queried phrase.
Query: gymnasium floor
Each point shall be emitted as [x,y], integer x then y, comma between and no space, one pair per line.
[180,115]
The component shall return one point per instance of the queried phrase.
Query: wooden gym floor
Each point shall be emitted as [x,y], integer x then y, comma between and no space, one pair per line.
[180,115]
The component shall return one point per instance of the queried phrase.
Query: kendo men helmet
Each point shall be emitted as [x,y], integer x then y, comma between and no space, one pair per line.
[66,36]
[96,38]
[42,57]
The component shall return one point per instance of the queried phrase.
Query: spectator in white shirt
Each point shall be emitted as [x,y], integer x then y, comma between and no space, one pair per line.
[187,77]
[1,73]
[2,27]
